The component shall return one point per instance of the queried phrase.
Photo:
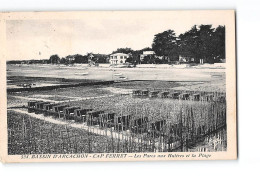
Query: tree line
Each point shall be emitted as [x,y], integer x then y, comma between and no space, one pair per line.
[200,42]
[203,42]
[78,58]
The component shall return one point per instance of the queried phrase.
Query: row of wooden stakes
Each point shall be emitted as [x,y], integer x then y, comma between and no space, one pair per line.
[91,117]
[181,95]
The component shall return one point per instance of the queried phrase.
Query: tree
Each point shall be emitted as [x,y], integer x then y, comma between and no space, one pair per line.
[150,59]
[100,58]
[130,59]
[165,44]
[54,59]
[219,43]
[123,50]
[204,43]
[189,43]
[62,60]
[80,59]
[146,49]
[206,46]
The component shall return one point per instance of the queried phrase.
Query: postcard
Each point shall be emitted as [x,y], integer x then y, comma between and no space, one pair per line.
[118,86]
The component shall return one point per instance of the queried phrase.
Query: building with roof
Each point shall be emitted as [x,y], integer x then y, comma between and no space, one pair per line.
[118,58]
[146,53]
[186,59]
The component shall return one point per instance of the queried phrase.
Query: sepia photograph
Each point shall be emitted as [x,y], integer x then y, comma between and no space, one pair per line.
[118,86]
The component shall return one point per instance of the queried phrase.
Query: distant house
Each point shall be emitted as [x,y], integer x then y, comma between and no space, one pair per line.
[186,59]
[70,59]
[97,58]
[91,56]
[118,58]
[146,53]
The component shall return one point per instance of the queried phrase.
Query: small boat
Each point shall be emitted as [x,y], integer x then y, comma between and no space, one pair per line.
[123,77]
[82,74]
[81,68]
[118,74]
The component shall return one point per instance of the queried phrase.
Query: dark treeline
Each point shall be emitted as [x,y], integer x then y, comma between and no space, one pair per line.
[199,43]
[203,42]
[77,58]
[32,61]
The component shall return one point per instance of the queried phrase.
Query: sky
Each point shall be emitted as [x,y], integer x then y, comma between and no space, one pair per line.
[104,33]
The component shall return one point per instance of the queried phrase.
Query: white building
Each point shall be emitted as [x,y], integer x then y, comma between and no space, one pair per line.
[146,53]
[118,58]
[186,59]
